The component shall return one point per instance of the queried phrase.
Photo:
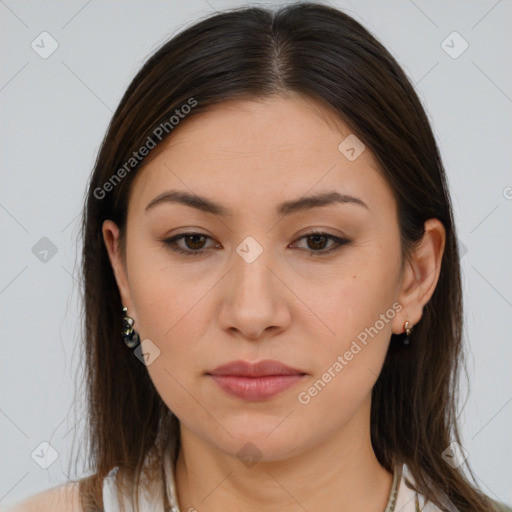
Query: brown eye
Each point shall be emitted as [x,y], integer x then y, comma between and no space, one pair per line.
[317,242]
[194,243]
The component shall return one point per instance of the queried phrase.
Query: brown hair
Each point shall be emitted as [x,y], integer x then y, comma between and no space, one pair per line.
[327,57]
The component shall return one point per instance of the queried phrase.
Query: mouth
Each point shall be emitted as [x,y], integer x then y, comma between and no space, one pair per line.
[256,381]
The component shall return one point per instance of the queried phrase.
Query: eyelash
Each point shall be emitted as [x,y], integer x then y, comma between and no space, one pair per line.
[172,243]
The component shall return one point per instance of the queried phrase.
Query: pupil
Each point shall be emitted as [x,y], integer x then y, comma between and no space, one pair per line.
[316,241]
[194,240]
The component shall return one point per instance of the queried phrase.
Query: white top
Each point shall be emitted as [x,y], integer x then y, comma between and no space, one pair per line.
[402,497]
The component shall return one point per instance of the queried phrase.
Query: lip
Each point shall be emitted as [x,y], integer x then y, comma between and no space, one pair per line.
[260,369]
[256,388]
[255,381]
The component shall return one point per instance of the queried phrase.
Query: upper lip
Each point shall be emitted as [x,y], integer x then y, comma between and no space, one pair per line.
[261,368]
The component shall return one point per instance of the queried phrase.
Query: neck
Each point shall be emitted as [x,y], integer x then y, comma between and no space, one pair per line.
[340,472]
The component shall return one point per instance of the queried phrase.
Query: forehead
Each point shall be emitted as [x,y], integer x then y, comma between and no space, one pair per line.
[291,124]
[268,148]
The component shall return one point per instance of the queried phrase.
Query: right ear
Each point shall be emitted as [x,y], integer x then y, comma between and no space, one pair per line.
[110,232]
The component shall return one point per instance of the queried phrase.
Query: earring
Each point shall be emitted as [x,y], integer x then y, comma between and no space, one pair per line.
[130,337]
[405,336]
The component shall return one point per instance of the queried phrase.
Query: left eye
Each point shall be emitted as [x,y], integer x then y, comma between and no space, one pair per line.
[318,240]
[194,243]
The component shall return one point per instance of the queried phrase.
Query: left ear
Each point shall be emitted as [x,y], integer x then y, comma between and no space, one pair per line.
[420,276]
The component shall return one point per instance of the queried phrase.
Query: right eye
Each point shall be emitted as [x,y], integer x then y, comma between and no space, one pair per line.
[193,241]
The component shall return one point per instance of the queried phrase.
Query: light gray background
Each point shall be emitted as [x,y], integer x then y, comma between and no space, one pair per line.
[54,113]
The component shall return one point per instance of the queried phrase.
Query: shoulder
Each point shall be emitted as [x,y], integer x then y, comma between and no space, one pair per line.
[62,498]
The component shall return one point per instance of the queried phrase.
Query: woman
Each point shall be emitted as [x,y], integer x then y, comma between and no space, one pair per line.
[268,223]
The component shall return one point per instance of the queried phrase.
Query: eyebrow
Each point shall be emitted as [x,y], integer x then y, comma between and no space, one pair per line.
[288,207]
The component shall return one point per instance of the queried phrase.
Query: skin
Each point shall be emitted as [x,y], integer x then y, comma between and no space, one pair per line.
[301,309]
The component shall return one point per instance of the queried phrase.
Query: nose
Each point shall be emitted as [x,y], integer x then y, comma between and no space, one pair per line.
[254,299]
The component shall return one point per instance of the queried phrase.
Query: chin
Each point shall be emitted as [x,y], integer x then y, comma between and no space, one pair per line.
[251,446]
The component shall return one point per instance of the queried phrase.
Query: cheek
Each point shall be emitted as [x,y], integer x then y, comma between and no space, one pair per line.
[357,306]
[347,298]
[171,311]
[164,291]
[170,318]
[348,363]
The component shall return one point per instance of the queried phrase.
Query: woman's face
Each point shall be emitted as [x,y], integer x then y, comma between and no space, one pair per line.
[262,288]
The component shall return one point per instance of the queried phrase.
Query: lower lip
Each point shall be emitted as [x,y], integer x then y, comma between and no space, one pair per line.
[256,388]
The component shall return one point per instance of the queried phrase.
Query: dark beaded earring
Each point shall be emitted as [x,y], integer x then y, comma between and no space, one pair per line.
[130,337]
[405,335]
